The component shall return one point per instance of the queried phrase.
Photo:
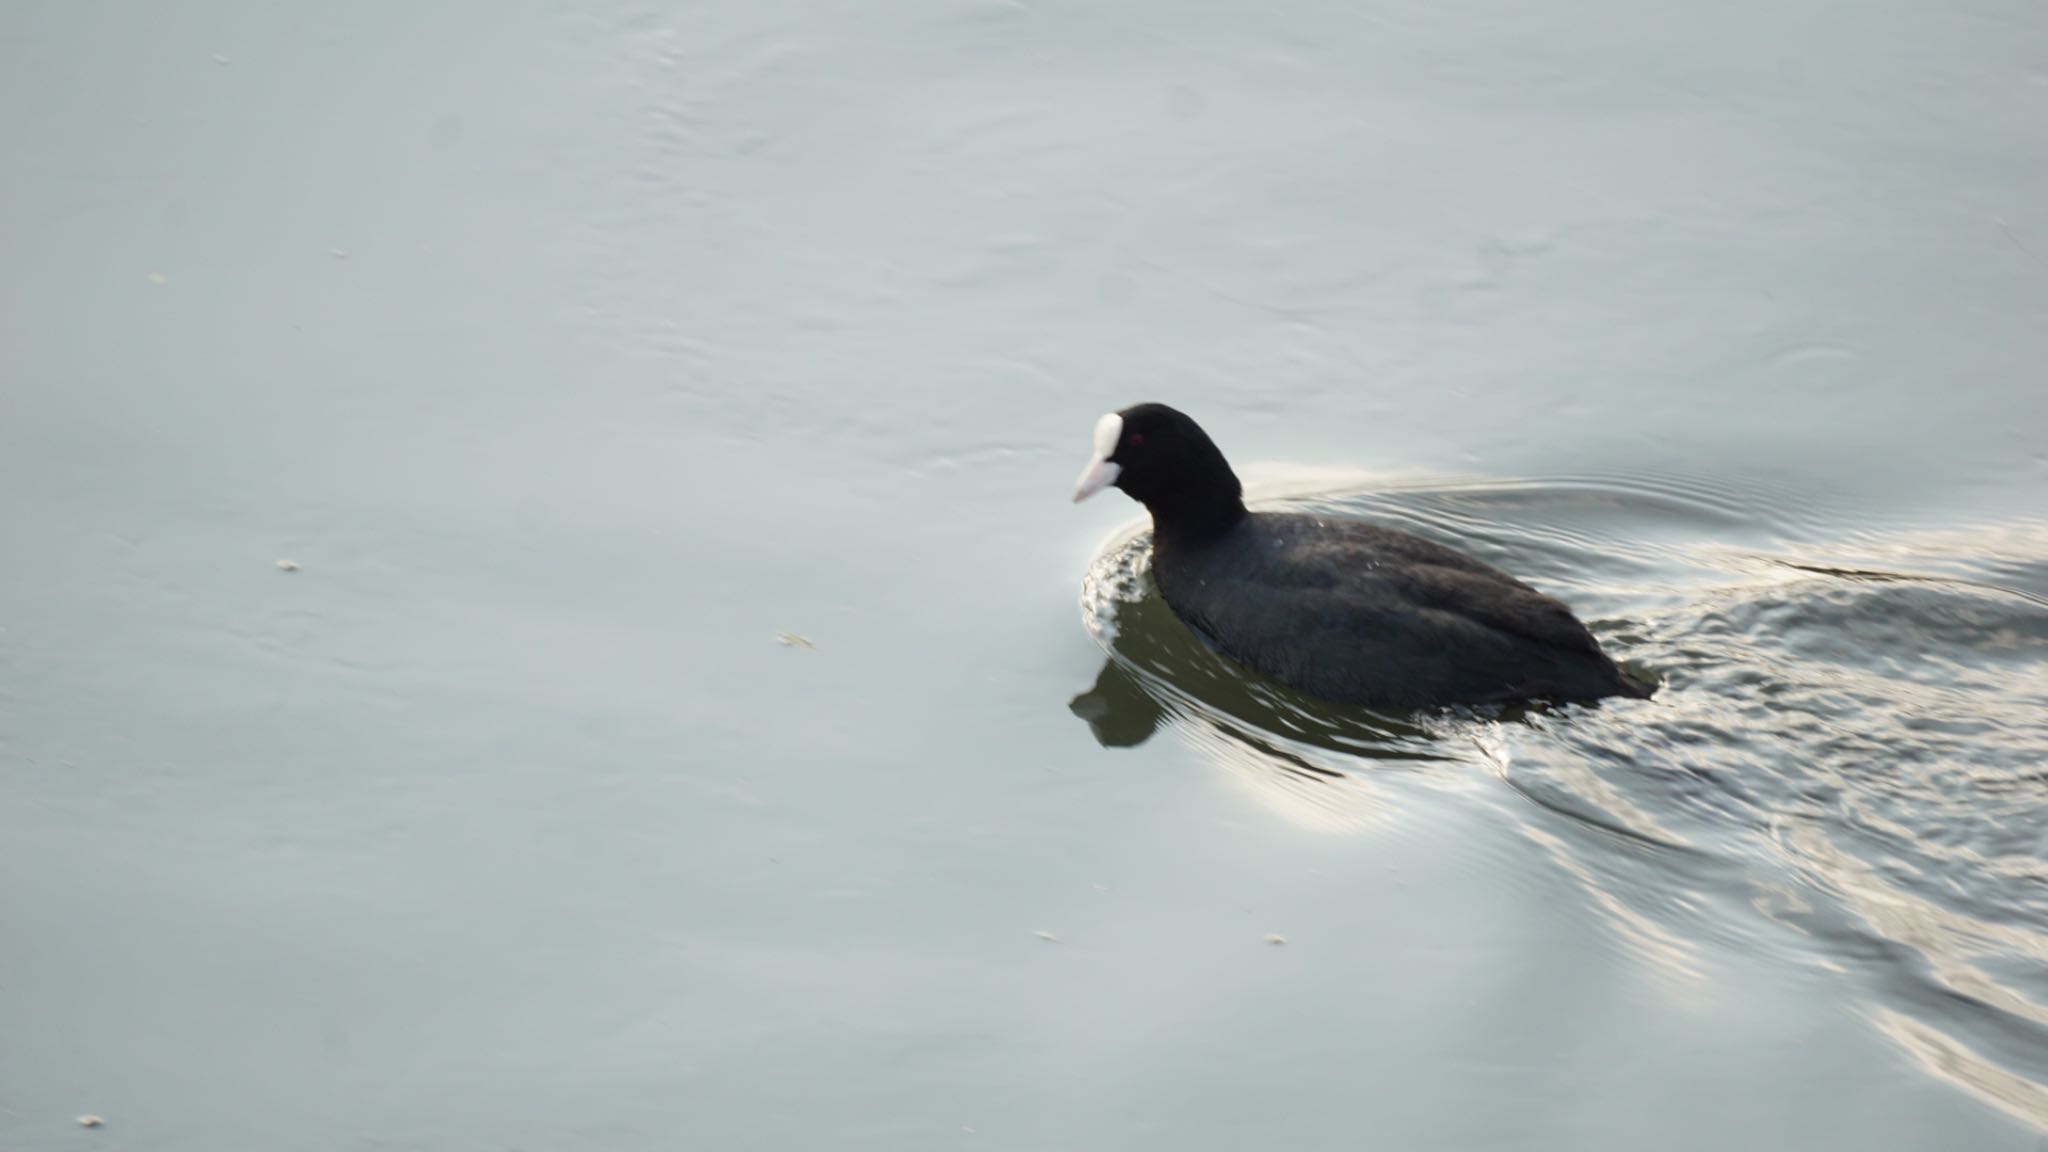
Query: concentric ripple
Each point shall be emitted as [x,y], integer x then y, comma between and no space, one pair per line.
[1849,755]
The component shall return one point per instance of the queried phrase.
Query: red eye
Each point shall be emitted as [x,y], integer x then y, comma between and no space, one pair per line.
[1136,440]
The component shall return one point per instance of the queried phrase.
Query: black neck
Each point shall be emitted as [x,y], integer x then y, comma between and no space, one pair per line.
[1195,516]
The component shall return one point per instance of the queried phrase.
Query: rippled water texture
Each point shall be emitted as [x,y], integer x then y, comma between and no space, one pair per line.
[1851,742]
[539,598]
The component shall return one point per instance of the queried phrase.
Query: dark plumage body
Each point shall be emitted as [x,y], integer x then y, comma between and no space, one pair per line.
[1341,609]
[1352,612]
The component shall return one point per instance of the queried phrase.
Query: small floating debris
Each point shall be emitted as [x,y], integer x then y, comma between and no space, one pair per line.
[1048,937]
[792,640]
[287,565]
[90,1121]
[159,278]
[1275,938]
[1103,889]
[221,59]
[338,253]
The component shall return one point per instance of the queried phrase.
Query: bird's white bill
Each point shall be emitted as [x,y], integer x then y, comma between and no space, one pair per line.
[1100,473]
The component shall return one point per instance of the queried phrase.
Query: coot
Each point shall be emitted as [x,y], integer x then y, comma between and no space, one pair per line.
[1338,608]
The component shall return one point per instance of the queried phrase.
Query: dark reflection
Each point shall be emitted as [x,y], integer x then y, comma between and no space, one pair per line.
[1158,667]
[1118,709]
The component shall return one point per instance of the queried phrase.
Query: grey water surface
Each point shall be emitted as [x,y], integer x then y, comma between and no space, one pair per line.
[541,608]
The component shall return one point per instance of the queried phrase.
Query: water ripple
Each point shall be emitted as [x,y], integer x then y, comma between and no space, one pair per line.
[1852,745]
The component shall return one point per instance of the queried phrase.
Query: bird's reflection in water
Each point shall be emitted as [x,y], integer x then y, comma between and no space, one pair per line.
[1118,709]
[1301,754]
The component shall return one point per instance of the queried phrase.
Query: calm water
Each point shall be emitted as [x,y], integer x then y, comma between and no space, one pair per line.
[698,717]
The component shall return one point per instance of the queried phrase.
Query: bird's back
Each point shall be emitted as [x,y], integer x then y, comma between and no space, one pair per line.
[1354,612]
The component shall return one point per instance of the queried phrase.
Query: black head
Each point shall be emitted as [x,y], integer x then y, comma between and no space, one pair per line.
[1164,460]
